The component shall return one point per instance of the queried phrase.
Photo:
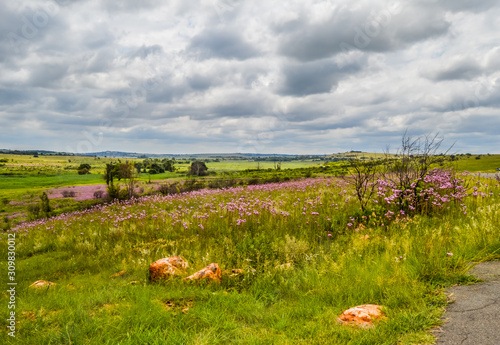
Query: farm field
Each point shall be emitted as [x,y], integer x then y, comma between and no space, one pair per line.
[485,163]
[306,251]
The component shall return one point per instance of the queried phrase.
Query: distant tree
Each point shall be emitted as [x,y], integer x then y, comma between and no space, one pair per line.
[156,168]
[84,169]
[198,168]
[127,172]
[138,167]
[168,164]
[110,173]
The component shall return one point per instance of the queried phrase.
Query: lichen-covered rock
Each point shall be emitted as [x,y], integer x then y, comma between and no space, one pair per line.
[211,273]
[362,315]
[166,268]
[41,284]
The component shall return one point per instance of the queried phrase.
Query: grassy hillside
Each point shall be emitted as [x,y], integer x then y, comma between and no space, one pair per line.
[306,250]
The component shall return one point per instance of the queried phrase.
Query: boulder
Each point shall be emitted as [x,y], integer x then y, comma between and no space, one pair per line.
[41,284]
[211,273]
[166,268]
[362,316]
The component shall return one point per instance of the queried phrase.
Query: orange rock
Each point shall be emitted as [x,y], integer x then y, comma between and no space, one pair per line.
[362,315]
[167,267]
[211,273]
[41,284]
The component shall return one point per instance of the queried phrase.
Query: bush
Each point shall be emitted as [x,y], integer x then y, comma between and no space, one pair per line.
[113,191]
[99,194]
[166,189]
[68,193]
[45,205]
[33,211]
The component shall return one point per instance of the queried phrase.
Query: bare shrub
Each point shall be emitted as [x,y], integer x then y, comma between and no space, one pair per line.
[363,177]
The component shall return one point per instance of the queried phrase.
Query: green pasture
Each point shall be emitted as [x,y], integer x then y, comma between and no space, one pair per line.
[238,165]
[297,279]
[485,163]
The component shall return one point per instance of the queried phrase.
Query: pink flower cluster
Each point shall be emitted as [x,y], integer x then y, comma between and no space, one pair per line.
[435,191]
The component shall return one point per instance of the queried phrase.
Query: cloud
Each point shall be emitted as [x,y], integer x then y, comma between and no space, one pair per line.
[462,5]
[144,51]
[47,75]
[303,79]
[371,29]
[291,77]
[223,44]
[463,69]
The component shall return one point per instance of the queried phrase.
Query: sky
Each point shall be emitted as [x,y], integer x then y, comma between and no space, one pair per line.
[253,76]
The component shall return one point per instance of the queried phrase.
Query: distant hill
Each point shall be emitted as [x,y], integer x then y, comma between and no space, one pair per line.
[121,154]
[236,155]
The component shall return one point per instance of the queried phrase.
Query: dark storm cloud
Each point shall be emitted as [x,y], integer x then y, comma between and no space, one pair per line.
[302,79]
[223,44]
[371,29]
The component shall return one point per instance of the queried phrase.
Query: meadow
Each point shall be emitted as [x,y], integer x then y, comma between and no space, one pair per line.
[307,251]
[23,178]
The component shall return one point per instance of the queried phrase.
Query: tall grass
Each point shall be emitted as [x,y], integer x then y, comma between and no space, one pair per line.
[303,266]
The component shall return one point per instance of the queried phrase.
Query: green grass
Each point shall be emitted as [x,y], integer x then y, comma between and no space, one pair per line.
[403,267]
[238,165]
[486,163]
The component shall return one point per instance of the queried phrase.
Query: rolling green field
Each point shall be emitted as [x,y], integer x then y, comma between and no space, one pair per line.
[23,178]
[485,163]
[305,249]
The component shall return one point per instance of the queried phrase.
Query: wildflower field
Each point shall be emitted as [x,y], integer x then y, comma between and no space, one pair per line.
[307,249]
